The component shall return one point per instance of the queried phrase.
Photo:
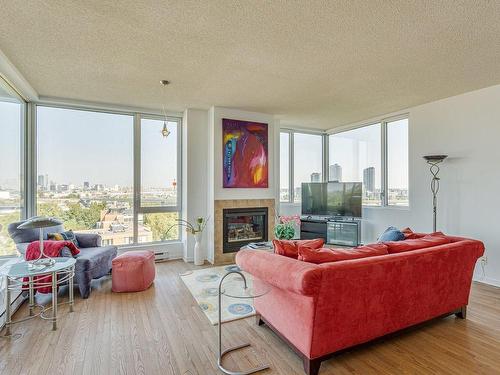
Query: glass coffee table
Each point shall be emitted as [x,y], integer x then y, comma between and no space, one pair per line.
[238,287]
[19,277]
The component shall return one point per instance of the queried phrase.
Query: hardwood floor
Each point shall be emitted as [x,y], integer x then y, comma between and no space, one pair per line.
[163,331]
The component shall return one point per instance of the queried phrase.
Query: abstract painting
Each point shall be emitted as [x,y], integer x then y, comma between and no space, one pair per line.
[245,159]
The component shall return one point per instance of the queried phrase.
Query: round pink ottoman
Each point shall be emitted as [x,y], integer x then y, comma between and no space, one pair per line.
[133,271]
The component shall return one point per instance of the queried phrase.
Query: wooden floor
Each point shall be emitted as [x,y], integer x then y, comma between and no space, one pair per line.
[163,331]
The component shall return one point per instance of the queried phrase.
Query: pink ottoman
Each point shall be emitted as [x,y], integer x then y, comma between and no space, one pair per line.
[133,271]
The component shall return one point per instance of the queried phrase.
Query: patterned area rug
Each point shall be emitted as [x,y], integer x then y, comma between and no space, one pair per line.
[204,285]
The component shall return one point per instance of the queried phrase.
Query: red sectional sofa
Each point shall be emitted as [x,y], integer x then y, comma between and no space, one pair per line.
[320,309]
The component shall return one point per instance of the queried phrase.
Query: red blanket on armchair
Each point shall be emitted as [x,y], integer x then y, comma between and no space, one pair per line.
[52,249]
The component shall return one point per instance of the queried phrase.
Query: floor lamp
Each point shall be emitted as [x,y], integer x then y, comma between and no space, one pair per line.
[40,222]
[434,161]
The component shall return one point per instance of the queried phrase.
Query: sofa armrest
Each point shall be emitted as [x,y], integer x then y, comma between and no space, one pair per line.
[281,272]
[88,239]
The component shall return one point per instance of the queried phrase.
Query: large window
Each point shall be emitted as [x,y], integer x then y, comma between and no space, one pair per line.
[159,197]
[284,167]
[358,155]
[307,161]
[11,176]
[355,156]
[86,169]
[397,162]
[301,154]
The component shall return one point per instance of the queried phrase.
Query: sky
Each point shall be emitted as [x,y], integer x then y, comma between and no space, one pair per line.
[77,146]
[10,143]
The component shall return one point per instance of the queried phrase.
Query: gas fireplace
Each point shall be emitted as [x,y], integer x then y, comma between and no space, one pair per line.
[242,226]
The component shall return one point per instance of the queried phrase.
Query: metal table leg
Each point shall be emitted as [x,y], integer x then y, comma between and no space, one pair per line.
[7,307]
[70,285]
[223,353]
[31,295]
[54,301]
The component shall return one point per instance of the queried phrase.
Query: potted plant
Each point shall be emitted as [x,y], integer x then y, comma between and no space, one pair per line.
[285,229]
[196,230]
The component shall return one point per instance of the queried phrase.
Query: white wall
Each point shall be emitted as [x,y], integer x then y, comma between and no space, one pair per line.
[467,128]
[215,160]
[194,172]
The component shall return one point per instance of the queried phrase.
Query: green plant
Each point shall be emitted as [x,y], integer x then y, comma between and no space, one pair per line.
[198,227]
[284,231]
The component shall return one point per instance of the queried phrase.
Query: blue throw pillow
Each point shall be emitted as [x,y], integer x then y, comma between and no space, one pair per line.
[391,234]
[69,235]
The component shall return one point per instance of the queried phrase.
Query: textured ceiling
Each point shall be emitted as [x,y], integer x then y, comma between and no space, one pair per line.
[316,64]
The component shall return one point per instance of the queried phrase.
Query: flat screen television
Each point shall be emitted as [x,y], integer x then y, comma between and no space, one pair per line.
[332,198]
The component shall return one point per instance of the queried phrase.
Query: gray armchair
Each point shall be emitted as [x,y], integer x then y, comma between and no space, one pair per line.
[93,261]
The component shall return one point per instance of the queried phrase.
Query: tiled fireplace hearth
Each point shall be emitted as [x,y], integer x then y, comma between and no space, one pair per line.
[238,222]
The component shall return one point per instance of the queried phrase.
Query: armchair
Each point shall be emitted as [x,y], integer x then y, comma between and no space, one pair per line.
[93,261]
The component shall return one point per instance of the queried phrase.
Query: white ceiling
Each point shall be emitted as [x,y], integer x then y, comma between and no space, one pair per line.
[316,64]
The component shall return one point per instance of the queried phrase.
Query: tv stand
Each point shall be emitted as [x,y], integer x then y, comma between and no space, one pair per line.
[343,231]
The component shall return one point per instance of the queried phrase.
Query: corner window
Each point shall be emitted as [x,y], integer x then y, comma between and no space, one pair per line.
[12,124]
[358,155]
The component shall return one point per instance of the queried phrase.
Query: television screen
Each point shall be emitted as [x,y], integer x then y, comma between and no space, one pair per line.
[332,199]
[314,198]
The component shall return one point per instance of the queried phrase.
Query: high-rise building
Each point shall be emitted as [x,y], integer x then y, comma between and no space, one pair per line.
[335,172]
[86,185]
[369,179]
[315,177]
[41,181]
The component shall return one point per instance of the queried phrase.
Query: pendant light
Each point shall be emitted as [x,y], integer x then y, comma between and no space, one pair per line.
[164,131]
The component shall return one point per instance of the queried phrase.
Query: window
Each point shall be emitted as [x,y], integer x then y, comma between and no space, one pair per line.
[397,162]
[12,118]
[302,154]
[86,169]
[159,197]
[284,167]
[355,156]
[307,161]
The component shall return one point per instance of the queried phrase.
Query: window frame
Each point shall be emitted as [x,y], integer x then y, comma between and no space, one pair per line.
[137,116]
[384,189]
[291,158]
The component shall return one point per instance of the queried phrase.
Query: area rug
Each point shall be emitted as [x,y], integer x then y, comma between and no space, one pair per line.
[204,285]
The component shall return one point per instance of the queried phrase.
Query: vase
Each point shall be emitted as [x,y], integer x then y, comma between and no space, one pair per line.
[198,254]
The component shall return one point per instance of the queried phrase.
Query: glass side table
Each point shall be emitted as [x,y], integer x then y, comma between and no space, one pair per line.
[237,287]
[62,271]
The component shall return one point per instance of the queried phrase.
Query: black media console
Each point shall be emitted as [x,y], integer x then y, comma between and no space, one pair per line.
[334,230]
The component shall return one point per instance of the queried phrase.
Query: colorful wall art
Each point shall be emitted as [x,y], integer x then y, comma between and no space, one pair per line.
[245,158]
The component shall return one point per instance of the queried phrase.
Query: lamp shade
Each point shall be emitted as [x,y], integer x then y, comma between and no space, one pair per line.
[435,158]
[39,222]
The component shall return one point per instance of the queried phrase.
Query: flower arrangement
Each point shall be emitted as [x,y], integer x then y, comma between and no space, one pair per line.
[198,227]
[285,229]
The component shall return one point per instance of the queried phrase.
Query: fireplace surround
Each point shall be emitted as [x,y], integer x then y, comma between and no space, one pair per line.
[242,226]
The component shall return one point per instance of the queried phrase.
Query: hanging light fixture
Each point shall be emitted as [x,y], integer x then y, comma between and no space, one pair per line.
[164,131]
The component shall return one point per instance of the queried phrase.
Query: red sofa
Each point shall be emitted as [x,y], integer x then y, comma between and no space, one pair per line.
[320,309]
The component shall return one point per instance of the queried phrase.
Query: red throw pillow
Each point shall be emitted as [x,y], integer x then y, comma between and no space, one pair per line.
[325,255]
[411,235]
[430,240]
[290,248]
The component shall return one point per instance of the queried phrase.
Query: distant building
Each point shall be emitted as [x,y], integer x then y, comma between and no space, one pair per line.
[315,177]
[369,179]
[86,185]
[41,181]
[335,172]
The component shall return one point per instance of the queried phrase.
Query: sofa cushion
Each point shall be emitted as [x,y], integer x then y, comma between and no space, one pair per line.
[290,248]
[434,239]
[325,255]
[411,235]
[68,235]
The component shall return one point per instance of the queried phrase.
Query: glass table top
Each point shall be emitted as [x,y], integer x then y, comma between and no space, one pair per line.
[21,269]
[234,286]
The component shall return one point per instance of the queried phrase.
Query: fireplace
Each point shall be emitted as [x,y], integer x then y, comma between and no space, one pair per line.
[242,226]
